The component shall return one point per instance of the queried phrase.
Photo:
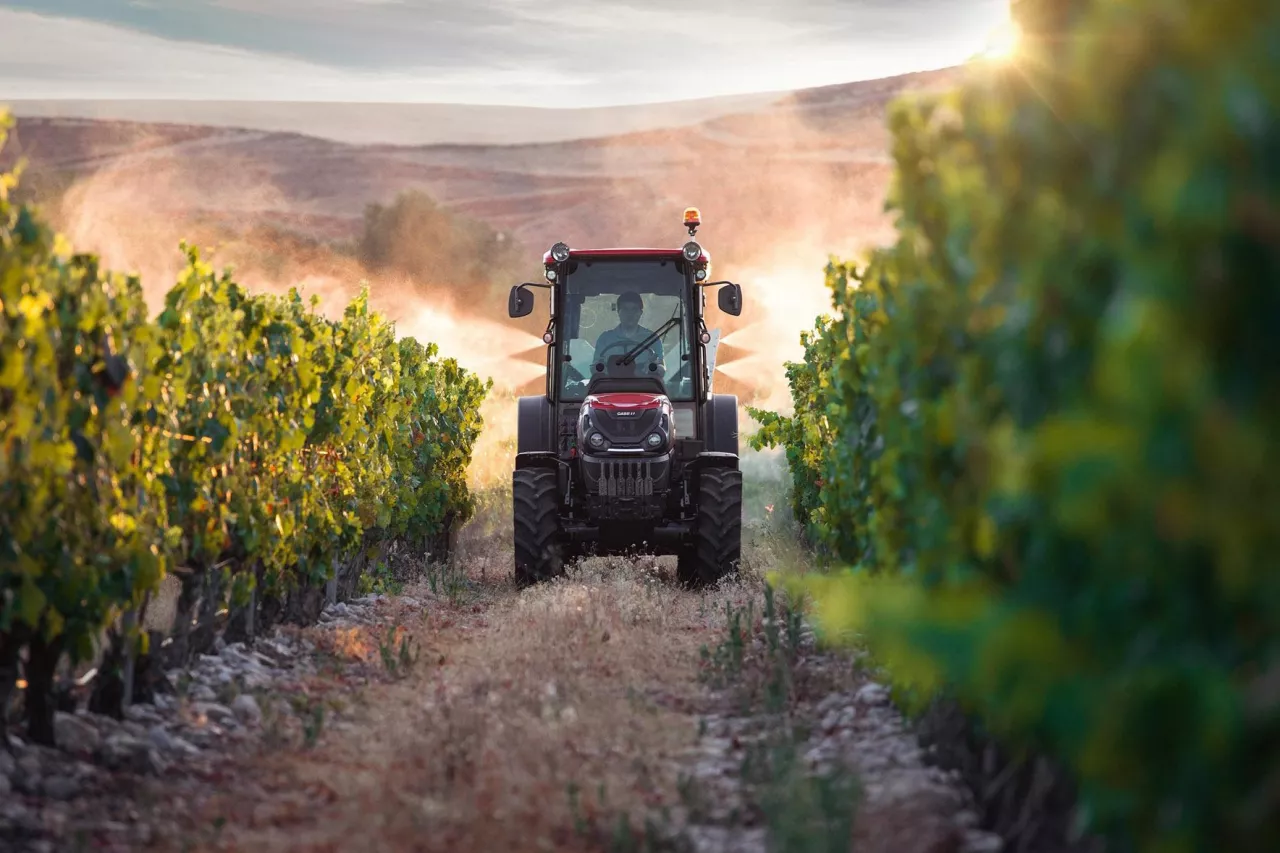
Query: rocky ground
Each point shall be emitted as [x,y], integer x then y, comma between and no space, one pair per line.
[607,711]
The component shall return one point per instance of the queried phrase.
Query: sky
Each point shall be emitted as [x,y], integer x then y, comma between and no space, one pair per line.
[542,53]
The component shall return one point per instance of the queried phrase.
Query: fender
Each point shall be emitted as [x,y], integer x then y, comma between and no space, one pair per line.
[713,460]
[535,425]
[538,459]
[546,462]
[721,426]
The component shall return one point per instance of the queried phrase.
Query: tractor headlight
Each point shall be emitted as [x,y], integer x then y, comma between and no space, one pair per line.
[551,275]
[560,251]
[596,440]
[654,440]
[700,275]
[692,251]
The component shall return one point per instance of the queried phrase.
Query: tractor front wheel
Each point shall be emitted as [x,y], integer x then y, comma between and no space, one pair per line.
[717,546]
[536,509]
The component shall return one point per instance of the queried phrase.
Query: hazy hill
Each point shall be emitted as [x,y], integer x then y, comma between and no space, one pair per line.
[773,165]
[782,181]
[398,124]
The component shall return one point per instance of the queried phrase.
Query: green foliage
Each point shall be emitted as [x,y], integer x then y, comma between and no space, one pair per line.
[381,581]
[82,516]
[1047,420]
[234,433]
[399,654]
[831,477]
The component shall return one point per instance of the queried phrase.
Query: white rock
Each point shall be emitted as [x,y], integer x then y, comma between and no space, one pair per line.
[7,765]
[872,694]
[203,693]
[74,734]
[60,787]
[28,764]
[170,743]
[142,713]
[215,712]
[982,842]
[277,649]
[123,751]
[246,709]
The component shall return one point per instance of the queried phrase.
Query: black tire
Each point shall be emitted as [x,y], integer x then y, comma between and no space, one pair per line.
[717,547]
[536,516]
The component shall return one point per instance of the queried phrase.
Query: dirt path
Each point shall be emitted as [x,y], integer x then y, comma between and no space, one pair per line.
[527,719]
[607,711]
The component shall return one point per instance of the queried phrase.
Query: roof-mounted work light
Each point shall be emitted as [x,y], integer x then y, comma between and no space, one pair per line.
[560,251]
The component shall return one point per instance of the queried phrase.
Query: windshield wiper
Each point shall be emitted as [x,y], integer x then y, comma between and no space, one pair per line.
[662,330]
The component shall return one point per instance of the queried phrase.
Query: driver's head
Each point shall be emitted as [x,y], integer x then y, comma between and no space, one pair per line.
[630,307]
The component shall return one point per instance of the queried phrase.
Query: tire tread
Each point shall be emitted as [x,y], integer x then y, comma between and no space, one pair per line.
[717,548]
[536,523]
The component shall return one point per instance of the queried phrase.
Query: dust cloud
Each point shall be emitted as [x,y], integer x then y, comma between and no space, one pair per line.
[134,215]
[781,189]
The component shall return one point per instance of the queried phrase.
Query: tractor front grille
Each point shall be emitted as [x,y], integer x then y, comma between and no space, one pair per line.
[625,479]
[627,429]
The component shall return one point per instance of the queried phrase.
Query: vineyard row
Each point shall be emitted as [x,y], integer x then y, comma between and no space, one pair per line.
[242,442]
[1036,438]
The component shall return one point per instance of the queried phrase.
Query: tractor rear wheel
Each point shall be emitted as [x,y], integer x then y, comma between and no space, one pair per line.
[536,515]
[717,546]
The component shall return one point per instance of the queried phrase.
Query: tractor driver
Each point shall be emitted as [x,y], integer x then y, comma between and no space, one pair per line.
[630,307]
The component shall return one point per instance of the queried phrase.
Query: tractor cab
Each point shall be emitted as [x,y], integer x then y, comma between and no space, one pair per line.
[628,314]
[628,418]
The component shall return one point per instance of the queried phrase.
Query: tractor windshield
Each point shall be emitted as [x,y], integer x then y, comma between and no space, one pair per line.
[629,311]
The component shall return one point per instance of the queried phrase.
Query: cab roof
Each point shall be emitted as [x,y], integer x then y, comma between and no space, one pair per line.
[600,254]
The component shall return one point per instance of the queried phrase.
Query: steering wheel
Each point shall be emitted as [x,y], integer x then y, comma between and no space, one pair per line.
[624,347]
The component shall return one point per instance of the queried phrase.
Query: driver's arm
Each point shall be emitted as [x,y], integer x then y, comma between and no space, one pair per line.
[658,357]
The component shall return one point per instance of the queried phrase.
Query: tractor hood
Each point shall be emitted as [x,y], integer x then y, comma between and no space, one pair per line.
[626,423]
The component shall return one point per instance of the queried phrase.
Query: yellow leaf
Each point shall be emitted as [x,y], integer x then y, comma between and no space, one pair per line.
[12,372]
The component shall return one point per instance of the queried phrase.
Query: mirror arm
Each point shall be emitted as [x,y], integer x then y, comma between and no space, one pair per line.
[533,284]
[713,283]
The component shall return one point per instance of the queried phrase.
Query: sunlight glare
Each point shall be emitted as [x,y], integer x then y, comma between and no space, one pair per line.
[1002,43]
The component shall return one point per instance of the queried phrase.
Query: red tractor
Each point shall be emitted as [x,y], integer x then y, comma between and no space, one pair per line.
[628,450]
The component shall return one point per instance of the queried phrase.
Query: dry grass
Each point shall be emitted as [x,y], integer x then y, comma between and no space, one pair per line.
[529,717]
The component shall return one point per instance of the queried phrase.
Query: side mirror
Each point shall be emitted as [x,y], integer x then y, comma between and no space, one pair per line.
[730,298]
[520,302]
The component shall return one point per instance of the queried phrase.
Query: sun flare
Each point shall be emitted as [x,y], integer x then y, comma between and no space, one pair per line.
[1002,43]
